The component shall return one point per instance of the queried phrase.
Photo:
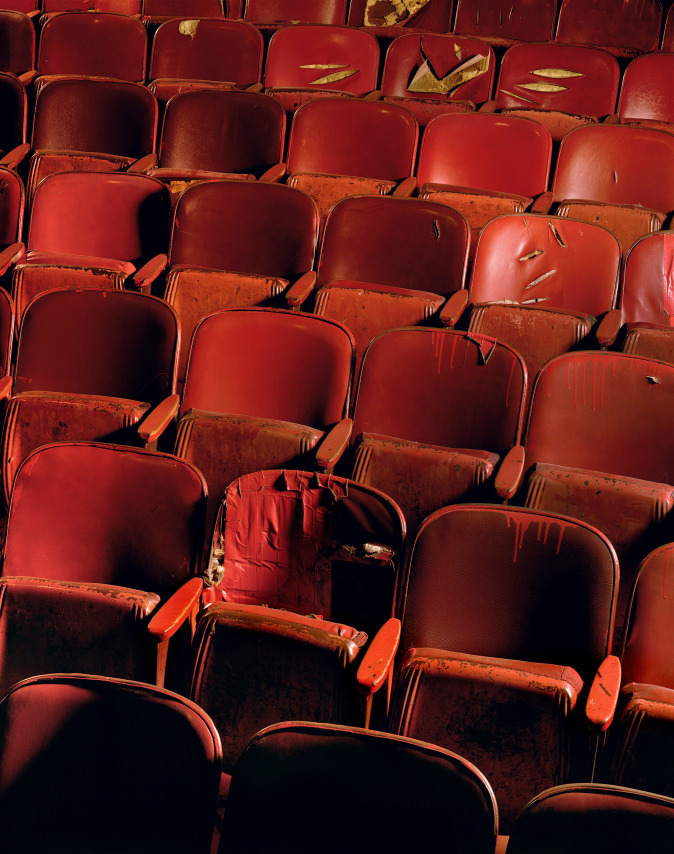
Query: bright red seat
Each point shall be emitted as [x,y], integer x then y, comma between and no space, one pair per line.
[239,243]
[435,410]
[646,94]
[90,229]
[562,86]
[341,147]
[484,165]
[90,366]
[142,515]
[285,388]
[507,627]
[204,53]
[318,60]
[372,283]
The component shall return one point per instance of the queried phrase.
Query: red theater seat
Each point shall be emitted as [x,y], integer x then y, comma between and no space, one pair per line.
[631,27]
[504,22]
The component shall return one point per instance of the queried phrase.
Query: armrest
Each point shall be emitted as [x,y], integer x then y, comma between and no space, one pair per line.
[12,159]
[509,474]
[274,174]
[488,106]
[379,656]
[603,697]
[611,119]
[172,614]
[149,161]
[28,76]
[6,384]
[255,87]
[334,444]
[298,292]
[609,327]
[10,256]
[542,204]
[374,95]
[451,311]
[405,188]
[143,278]
[158,419]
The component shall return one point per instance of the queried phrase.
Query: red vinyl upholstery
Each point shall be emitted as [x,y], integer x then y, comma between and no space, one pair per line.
[632,27]
[503,22]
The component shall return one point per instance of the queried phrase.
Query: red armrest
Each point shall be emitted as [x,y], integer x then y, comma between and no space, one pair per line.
[374,95]
[405,188]
[149,161]
[609,327]
[603,696]
[451,311]
[10,256]
[334,444]
[28,76]
[298,292]
[12,159]
[172,614]
[378,659]
[254,87]
[144,277]
[542,204]
[509,474]
[488,106]
[274,174]
[158,419]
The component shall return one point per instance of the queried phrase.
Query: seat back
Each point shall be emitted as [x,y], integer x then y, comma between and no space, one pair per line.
[606,412]
[122,7]
[441,387]
[222,131]
[357,244]
[349,136]
[569,78]
[646,656]
[118,216]
[591,816]
[431,17]
[245,227]
[633,26]
[153,9]
[315,56]
[503,154]
[304,11]
[140,513]
[97,342]
[97,44]
[310,543]
[439,67]
[511,583]
[83,114]
[272,364]
[255,666]
[290,780]
[546,262]
[616,164]
[17,41]
[646,296]
[12,203]
[207,49]
[522,20]
[104,749]
[645,92]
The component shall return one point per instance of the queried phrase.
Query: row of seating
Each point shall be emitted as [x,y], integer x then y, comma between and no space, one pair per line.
[634,26]
[507,615]
[289,788]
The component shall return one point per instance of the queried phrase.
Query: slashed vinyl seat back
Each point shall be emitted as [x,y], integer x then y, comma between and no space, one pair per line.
[310,543]
[435,17]
[508,619]
[292,779]
[142,763]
